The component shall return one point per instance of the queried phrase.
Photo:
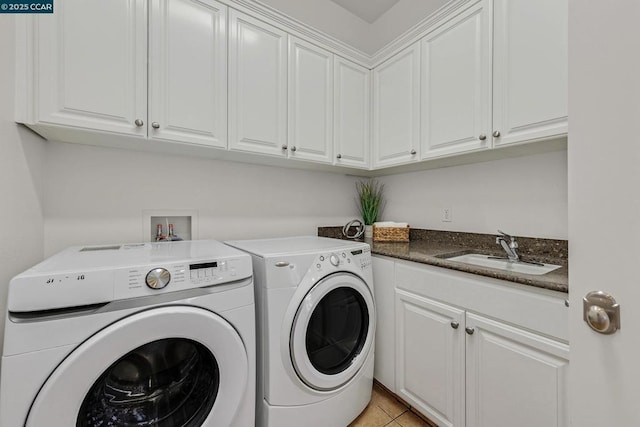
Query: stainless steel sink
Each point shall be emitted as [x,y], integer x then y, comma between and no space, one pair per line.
[504,264]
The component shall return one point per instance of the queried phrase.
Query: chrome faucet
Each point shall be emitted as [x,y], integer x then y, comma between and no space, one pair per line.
[510,247]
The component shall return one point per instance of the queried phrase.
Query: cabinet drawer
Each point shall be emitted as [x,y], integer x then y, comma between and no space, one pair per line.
[536,309]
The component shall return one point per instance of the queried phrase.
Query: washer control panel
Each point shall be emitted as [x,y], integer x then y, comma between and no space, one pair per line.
[169,277]
[158,278]
[84,275]
[211,272]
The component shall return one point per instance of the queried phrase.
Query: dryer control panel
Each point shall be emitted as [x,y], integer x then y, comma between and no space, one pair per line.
[359,259]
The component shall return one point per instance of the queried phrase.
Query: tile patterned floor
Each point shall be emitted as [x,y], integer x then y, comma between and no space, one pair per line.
[385,410]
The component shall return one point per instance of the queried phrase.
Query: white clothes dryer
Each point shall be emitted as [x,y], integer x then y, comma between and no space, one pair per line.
[154,334]
[315,327]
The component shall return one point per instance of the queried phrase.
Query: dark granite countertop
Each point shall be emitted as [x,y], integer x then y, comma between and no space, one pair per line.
[429,247]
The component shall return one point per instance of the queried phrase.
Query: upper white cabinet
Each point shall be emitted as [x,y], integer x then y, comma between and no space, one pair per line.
[188,71]
[396,109]
[351,114]
[93,74]
[257,86]
[85,73]
[486,73]
[456,84]
[310,102]
[495,74]
[530,86]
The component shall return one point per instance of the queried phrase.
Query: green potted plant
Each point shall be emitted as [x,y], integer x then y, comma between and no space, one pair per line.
[370,203]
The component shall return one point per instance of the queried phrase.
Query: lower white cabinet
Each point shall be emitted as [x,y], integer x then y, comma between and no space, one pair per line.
[514,377]
[385,344]
[430,357]
[468,355]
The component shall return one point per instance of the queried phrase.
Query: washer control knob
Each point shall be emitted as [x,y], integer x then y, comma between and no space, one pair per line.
[334,260]
[158,278]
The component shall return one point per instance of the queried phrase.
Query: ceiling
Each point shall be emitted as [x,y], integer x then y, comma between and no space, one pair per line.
[367,10]
[366,25]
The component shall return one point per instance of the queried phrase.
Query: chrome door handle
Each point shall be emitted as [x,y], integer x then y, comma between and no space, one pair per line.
[155,125]
[139,123]
[413,152]
[496,134]
[601,312]
[455,325]
[469,330]
[482,137]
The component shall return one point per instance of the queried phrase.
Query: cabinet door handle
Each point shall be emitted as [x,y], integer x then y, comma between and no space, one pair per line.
[469,330]
[455,325]
[293,148]
[482,137]
[496,134]
[413,152]
[339,156]
[139,123]
[155,125]
[285,146]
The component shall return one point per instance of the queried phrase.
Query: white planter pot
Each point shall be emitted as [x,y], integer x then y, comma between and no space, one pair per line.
[368,231]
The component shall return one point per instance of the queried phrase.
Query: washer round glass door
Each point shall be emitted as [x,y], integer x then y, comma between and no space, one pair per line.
[170,366]
[333,331]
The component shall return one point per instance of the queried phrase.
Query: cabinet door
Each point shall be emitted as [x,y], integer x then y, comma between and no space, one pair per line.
[188,72]
[396,109]
[310,102]
[456,84]
[430,342]
[257,86]
[530,69]
[352,106]
[384,293]
[514,377]
[91,67]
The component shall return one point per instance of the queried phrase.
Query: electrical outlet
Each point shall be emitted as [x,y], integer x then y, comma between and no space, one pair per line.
[447,214]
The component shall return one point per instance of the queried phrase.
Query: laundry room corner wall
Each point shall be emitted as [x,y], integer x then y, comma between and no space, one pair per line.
[21,173]
[524,196]
[96,195]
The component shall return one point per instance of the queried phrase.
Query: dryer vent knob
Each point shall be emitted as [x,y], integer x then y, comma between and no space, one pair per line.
[158,278]
[334,260]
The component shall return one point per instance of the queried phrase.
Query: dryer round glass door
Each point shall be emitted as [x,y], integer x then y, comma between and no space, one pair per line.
[333,331]
[170,366]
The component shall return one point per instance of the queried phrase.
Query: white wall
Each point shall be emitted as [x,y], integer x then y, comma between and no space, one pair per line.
[98,195]
[21,173]
[524,196]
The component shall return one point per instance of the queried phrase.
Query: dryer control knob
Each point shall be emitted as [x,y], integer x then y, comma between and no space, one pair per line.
[158,278]
[334,260]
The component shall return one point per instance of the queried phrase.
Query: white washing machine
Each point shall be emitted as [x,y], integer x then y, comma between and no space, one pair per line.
[159,334]
[315,327]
